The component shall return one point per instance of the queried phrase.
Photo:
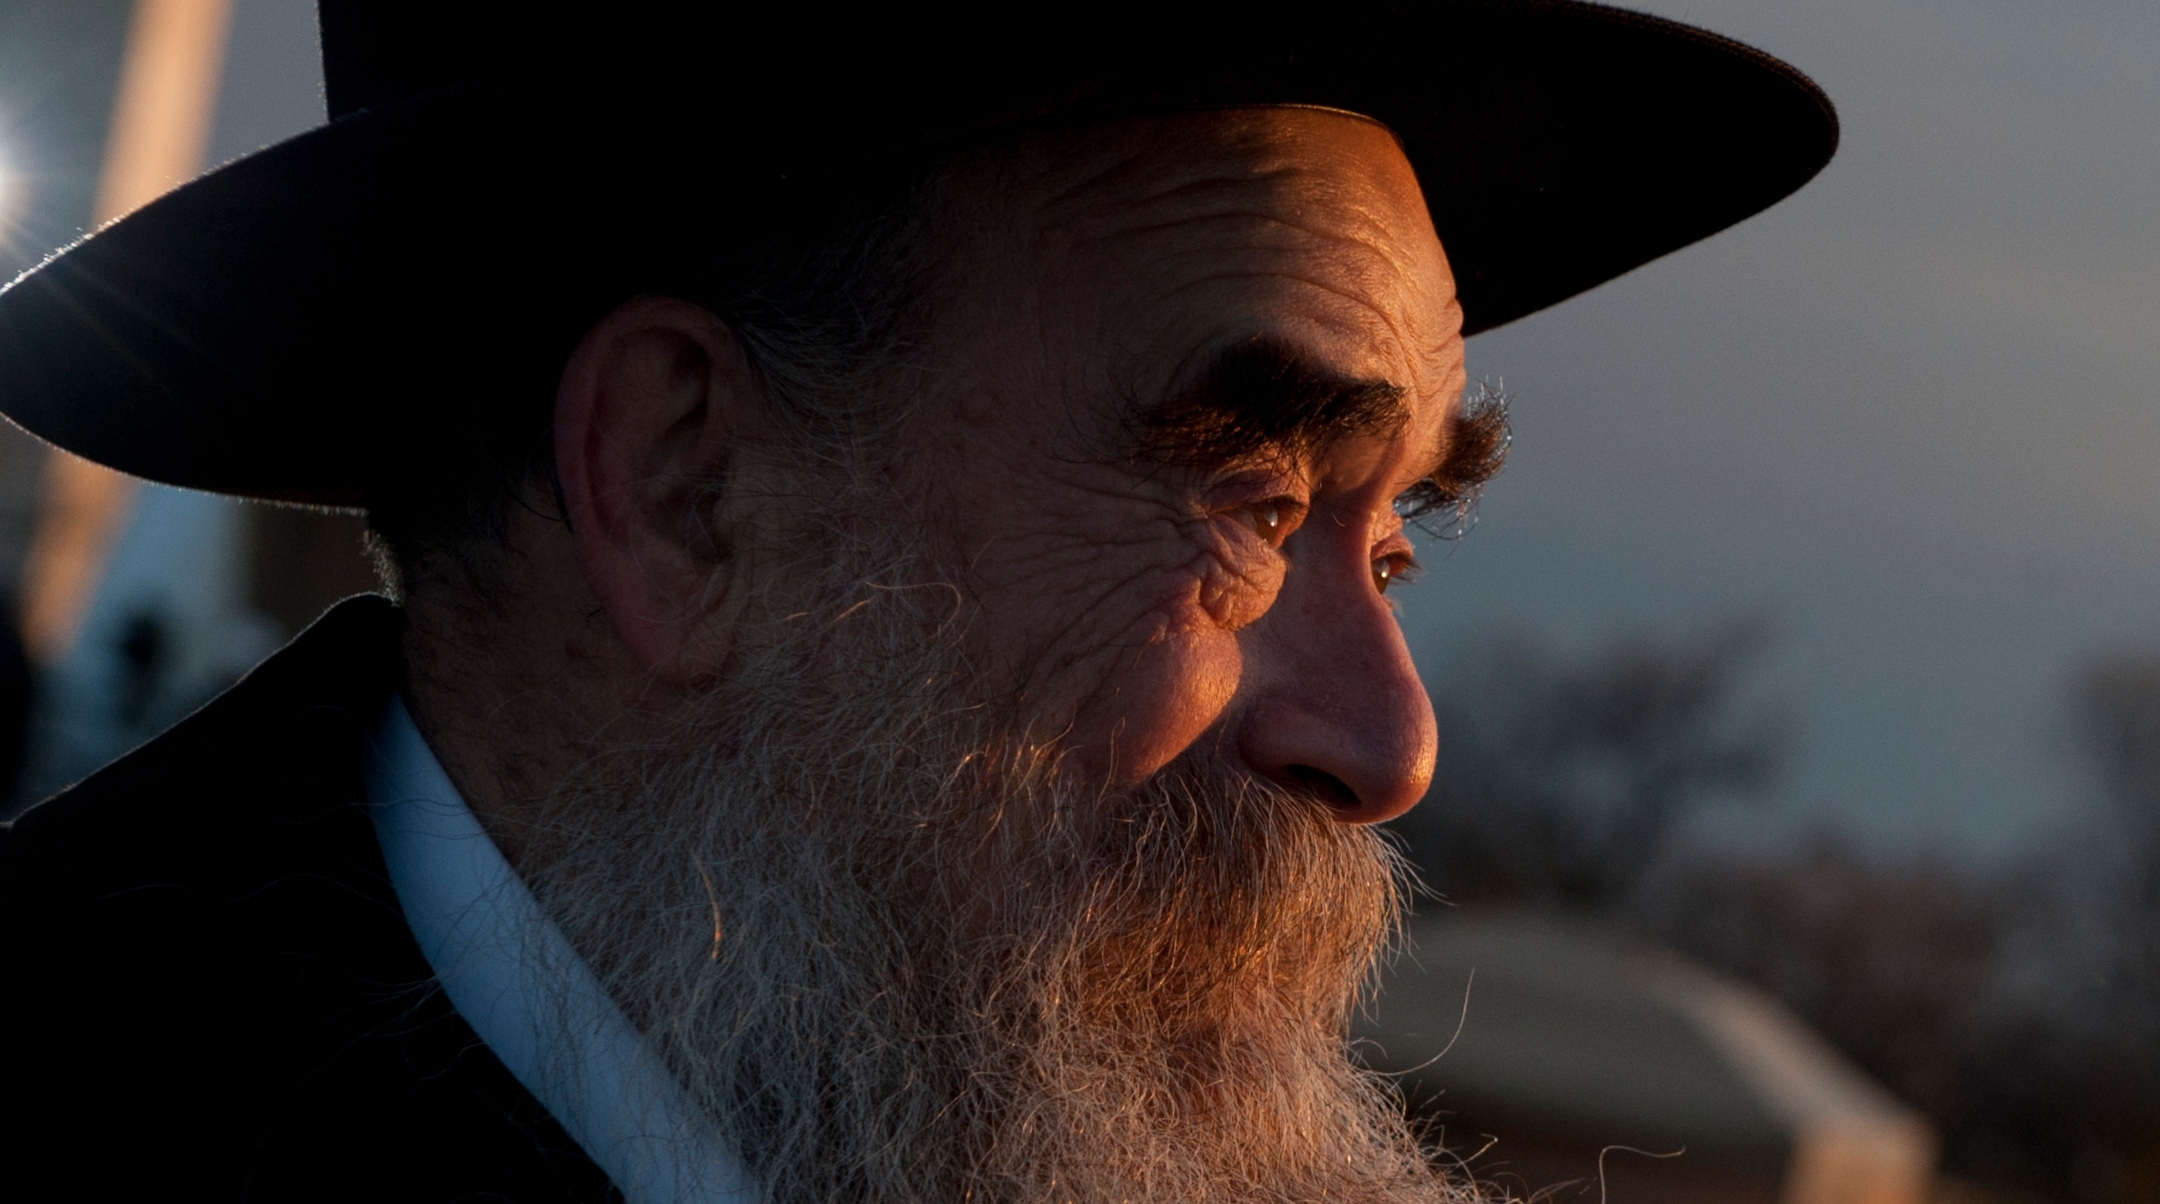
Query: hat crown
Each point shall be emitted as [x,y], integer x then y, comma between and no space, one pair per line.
[258,331]
[378,52]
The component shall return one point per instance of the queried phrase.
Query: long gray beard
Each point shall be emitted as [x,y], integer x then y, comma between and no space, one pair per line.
[897,956]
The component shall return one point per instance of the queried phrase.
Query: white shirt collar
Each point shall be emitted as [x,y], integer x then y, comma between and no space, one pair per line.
[514,977]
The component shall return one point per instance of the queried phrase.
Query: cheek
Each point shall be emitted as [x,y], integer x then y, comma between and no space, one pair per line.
[1165,696]
[1237,583]
[1175,681]
[1117,624]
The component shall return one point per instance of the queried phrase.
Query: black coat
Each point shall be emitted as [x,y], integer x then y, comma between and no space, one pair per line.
[210,991]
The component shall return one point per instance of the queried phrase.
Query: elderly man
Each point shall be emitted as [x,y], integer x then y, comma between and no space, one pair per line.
[891,676]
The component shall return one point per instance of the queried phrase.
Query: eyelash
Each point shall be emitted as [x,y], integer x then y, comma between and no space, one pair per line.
[1405,570]
[1270,518]
[1273,520]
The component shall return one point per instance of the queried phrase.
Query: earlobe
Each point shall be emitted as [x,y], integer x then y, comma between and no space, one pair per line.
[653,405]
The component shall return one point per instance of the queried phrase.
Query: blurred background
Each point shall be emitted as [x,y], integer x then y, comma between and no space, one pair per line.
[1799,795]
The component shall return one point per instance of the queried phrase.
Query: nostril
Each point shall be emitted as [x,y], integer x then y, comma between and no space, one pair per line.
[1323,786]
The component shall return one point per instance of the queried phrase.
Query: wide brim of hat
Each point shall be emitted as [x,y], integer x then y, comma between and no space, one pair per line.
[281,327]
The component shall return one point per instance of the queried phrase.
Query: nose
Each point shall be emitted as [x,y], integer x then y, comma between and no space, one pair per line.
[1334,707]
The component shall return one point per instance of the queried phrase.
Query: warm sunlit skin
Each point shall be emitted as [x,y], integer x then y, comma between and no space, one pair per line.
[1151,609]
[1130,610]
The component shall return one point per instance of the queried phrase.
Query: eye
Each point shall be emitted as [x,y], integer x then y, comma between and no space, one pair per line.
[1272,519]
[1393,568]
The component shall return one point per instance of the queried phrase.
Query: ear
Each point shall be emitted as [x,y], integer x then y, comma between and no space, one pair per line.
[655,404]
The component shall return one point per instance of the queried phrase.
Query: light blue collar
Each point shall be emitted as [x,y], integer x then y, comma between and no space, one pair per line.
[514,977]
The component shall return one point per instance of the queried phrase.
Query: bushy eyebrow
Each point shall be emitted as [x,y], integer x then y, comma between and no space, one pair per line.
[1260,398]
[1267,398]
[1474,447]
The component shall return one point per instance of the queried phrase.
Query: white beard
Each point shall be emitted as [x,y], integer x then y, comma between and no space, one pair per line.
[864,929]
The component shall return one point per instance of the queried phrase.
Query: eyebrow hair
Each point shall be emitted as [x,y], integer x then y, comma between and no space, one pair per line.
[1265,397]
[1474,447]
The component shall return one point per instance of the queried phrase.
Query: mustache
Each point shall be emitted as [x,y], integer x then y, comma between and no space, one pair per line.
[1230,877]
[896,952]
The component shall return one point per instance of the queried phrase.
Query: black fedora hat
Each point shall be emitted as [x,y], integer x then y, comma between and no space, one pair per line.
[494,176]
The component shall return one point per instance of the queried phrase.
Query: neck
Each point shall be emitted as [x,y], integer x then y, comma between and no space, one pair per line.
[513,674]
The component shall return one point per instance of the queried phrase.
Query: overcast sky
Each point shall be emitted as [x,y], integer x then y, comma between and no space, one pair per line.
[1913,413]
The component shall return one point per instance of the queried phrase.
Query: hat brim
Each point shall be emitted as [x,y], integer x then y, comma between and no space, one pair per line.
[262,330]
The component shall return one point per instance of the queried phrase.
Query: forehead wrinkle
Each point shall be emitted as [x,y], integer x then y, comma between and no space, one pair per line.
[1250,198]
[1186,222]
[1364,264]
[1307,249]
[1194,187]
[1363,302]
[1149,230]
[1091,211]
[1129,199]
[1077,177]
[1153,171]
[1425,356]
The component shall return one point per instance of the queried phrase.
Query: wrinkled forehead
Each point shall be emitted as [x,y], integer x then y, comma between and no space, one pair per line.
[1150,246]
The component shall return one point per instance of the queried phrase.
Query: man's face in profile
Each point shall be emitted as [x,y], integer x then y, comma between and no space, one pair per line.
[1201,364]
[1017,847]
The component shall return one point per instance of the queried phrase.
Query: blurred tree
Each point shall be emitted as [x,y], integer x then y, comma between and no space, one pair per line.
[1890,960]
[2019,1004]
[2116,708]
[2110,884]
[1562,780]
